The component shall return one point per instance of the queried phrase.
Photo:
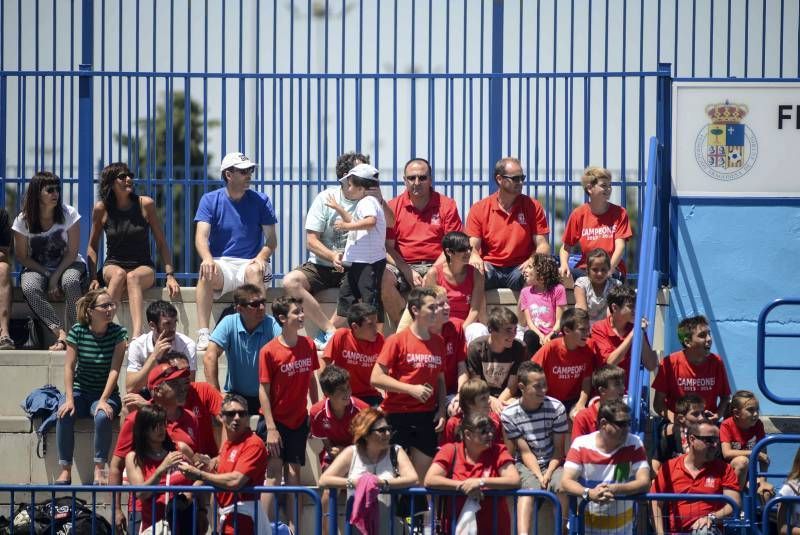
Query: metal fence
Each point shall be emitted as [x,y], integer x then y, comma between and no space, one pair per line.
[171,86]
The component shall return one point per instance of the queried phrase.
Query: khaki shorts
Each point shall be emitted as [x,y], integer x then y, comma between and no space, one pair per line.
[530,481]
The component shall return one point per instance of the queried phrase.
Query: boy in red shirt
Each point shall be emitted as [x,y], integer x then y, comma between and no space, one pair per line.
[613,335]
[331,417]
[455,345]
[568,362]
[356,348]
[242,463]
[410,369]
[673,438]
[609,383]
[286,367]
[694,370]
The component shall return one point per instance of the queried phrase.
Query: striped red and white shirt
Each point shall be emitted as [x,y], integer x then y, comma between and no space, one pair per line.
[594,467]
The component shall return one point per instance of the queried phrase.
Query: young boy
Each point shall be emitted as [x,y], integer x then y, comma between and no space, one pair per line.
[694,370]
[609,383]
[496,357]
[613,335]
[536,430]
[356,348]
[673,438]
[331,417]
[286,375]
[568,361]
[365,250]
[474,398]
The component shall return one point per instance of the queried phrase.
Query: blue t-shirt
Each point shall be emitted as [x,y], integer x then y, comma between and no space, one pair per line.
[241,349]
[235,225]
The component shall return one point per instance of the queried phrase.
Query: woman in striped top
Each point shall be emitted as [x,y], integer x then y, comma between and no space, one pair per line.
[95,349]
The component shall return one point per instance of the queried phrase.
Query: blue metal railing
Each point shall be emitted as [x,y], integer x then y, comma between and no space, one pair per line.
[754,472]
[761,359]
[647,288]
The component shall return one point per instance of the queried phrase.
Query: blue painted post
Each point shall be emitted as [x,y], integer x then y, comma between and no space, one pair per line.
[85,124]
[3,108]
[664,134]
[496,93]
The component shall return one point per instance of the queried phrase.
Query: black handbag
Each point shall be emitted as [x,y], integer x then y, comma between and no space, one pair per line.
[26,333]
[402,502]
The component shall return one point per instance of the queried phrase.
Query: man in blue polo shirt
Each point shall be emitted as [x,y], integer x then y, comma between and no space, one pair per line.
[235,238]
[241,336]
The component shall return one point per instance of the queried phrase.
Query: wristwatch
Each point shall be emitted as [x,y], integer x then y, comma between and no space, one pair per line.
[712,518]
[585,494]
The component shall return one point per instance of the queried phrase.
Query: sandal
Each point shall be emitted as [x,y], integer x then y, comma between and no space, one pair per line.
[60,345]
[6,342]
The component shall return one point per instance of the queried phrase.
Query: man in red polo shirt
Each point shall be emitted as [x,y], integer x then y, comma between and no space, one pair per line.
[695,370]
[613,335]
[506,229]
[699,471]
[422,218]
[242,463]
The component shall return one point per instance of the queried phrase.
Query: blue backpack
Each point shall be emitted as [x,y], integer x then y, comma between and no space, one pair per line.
[42,404]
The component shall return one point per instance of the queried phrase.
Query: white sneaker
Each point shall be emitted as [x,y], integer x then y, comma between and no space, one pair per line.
[203,336]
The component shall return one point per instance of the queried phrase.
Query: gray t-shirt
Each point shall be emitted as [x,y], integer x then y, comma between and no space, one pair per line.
[320,218]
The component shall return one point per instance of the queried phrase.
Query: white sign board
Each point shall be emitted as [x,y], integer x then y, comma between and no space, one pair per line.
[736,139]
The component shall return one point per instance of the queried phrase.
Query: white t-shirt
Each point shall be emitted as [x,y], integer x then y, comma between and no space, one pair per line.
[49,247]
[320,218]
[141,347]
[792,488]
[597,305]
[367,246]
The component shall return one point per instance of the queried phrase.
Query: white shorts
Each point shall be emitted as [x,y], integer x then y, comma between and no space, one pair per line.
[232,270]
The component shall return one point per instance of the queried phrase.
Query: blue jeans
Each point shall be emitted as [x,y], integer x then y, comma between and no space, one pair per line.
[504,277]
[85,407]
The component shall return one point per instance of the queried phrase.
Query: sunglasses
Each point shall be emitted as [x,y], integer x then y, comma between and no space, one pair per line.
[258,303]
[620,423]
[710,440]
[517,179]
[51,189]
[105,306]
[233,414]
[123,176]
[417,178]
[385,430]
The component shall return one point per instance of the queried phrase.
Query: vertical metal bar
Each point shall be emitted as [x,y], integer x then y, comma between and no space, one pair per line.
[85,121]
[764,38]
[728,47]
[694,34]
[663,131]
[780,41]
[412,81]
[711,39]
[3,126]
[675,37]
[495,125]
[746,35]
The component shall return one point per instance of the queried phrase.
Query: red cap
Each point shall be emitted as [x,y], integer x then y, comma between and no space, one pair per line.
[163,373]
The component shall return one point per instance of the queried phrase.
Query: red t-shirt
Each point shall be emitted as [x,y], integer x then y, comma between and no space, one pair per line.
[674,478]
[288,371]
[452,458]
[607,341]
[565,370]
[458,295]
[325,424]
[357,357]
[455,351]
[415,362]
[418,234]
[183,429]
[585,421]
[247,456]
[205,402]
[740,439]
[676,377]
[597,231]
[176,479]
[451,428]
[506,239]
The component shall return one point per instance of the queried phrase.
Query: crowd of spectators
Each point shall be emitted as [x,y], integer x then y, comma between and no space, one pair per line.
[459,397]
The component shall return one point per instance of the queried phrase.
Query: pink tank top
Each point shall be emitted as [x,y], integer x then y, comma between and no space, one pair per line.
[457,295]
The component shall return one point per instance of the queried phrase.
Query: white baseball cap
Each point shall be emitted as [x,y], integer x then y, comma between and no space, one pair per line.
[363,170]
[237,160]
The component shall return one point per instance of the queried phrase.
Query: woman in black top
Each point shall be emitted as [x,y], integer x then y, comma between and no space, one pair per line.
[127,219]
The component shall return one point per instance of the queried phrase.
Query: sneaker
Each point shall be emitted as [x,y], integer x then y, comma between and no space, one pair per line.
[203,336]
[322,339]
[6,342]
